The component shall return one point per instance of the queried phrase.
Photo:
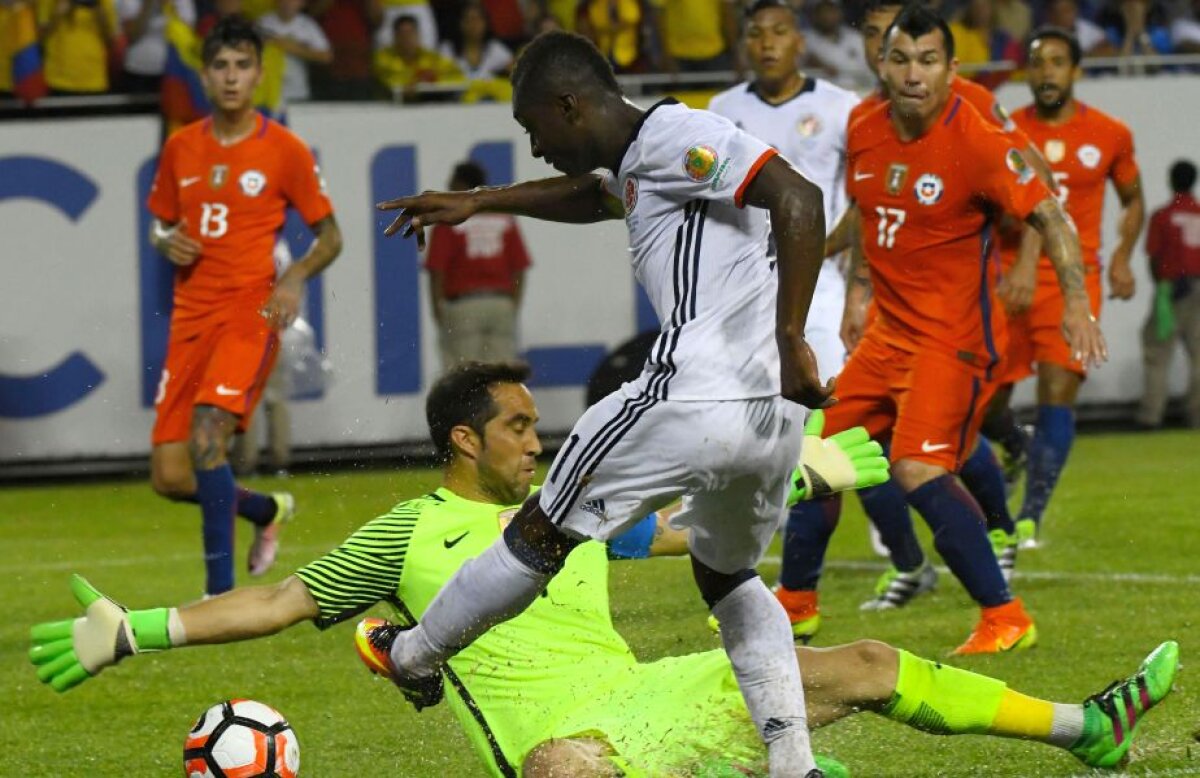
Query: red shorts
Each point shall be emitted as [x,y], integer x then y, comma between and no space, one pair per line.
[226,365]
[931,403]
[1037,335]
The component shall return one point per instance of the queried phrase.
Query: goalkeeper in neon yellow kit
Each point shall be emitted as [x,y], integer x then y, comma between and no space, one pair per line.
[556,690]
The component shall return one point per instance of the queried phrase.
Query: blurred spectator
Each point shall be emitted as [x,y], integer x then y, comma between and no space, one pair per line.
[1139,27]
[977,41]
[347,26]
[476,275]
[1093,41]
[1173,243]
[697,35]
[406,63]
[302,42]
[384,13]
[547,22]
[77,38]
[565,12]
[477,54]
[143,24]
[615,26]
[1014,17]
[1185,32]
[837,48]
[506,19]
[218,10]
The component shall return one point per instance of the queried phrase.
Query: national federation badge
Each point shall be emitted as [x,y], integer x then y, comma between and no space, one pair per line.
[1055,150]
[630,194]
[505,517]
[928,189]
[252,182]
[809,126]
[896,176]
[1017,164]
[1089,155]
[700,163]
[217,176]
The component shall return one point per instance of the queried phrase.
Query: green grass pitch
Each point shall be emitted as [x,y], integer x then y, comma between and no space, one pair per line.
[1120,573]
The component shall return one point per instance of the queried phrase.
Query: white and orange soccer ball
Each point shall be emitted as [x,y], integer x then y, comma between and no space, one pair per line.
[241,739]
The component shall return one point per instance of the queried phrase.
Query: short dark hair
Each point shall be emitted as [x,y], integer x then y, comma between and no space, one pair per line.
[231,32]
[464,396]
[405,19]
[917,20]
[871,6]
[1183,176]
[556,58]
[470,173]
[762,5]
[1059,34]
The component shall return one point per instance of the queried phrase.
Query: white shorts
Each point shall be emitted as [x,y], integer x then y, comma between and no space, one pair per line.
[824,326]
[730,461]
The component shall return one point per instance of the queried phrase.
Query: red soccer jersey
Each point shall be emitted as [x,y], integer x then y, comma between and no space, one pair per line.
[1173,240]
[233,199]
[926,206]
[482,254]
[1084,153]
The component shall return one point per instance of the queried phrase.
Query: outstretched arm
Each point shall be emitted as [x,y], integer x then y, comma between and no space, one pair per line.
[571,199]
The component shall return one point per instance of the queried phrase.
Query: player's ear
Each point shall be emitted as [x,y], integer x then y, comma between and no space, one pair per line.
[568,107]
[466,441]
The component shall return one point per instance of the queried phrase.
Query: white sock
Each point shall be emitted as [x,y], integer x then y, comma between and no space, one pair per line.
[489,589]
[1066,726]
[758,640]
[175,631]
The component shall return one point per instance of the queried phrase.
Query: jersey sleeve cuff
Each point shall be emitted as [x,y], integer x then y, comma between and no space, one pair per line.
[739,197]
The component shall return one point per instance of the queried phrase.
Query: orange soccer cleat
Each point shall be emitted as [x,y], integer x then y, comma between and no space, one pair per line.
[1002,628]
[373,639]
[802,610]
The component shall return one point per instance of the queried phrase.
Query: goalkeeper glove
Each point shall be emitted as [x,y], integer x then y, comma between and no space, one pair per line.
[847,460]
[69,652]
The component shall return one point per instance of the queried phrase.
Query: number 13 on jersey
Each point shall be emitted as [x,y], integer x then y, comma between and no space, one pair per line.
[214,220]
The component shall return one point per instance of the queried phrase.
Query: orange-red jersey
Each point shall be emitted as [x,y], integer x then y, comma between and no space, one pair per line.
[926,207]
[233,199]
[979,96]
[1084,153]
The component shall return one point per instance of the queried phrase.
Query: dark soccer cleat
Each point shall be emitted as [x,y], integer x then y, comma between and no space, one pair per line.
[373,638]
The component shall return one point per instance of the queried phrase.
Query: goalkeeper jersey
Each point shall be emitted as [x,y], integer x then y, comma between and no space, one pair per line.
[510,687]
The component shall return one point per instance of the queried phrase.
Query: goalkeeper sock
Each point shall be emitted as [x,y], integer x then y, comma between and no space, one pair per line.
[945,700]
[959,536]
[809,527]
[216,492]
[1047,456]
[887,509]
[982,475]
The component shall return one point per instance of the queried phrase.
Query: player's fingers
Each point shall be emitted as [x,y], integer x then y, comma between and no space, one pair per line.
[851,438]
[60,664]
[872,477]
[815,424]
[395,204]
[48,652]
[73,676]
[50,631]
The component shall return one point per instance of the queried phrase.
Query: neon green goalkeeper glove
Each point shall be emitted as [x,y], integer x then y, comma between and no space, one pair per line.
[69,652]
[847,460]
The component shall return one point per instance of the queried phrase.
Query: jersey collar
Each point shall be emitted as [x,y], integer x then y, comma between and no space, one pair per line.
[809,85]
[637,128]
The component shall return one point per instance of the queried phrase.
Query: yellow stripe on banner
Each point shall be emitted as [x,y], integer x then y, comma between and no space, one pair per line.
[269,95]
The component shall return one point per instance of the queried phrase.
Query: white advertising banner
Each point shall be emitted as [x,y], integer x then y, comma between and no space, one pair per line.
[85,298]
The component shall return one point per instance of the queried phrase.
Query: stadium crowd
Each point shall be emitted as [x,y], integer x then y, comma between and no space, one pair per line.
[363,49]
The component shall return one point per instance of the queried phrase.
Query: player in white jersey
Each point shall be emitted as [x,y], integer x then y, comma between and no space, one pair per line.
[713,418]
[805,120]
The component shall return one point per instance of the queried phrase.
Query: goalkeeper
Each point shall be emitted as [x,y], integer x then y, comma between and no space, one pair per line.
[556,690]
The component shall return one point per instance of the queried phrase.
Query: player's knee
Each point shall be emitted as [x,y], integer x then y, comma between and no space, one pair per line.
[873,654]
[569,757]
[912,474]
[876,667]
[171,482]
[212,429]
[536,541]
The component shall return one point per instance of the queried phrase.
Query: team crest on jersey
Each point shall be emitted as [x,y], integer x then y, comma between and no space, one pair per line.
[631,194]
[700,163]
[896,176]
[1002,117]
[505,517]
[929,189]
[218,175]
[320,180]
[808,126]
[252,182]
[1055,151]
[1017,164]
[1088,155]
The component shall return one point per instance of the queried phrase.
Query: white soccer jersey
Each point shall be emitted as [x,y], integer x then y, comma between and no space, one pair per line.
[702,258]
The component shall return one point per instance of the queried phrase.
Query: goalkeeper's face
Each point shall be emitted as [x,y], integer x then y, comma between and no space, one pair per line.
[508,458]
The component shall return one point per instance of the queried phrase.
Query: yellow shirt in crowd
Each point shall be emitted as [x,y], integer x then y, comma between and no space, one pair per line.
[694,28]
[75,57]
[429,67]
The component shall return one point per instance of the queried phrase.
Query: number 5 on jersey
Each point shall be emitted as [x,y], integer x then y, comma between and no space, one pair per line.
[213,220]
[890,220]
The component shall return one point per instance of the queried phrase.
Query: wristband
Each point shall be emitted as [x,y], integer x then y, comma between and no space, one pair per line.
[150,630]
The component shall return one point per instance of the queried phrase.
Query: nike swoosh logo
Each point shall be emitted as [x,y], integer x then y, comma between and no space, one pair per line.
[929,448]
[863,176]
[188,181]
[451,543]
[225,391]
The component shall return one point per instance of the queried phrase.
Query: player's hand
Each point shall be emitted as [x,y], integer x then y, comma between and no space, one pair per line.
[1016,288]
[181,249]
[1082,332]
[283,306]
[1121,285]
[854,323]
[424,210]
[69,652]
[799,378]
[847,460]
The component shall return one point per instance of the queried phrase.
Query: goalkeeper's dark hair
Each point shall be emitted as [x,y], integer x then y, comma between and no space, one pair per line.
[917,20]
[556,60]
[231,32]
[1049,32]
[464,396]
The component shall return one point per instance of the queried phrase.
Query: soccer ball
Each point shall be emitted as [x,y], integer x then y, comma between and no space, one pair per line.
[241,739]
